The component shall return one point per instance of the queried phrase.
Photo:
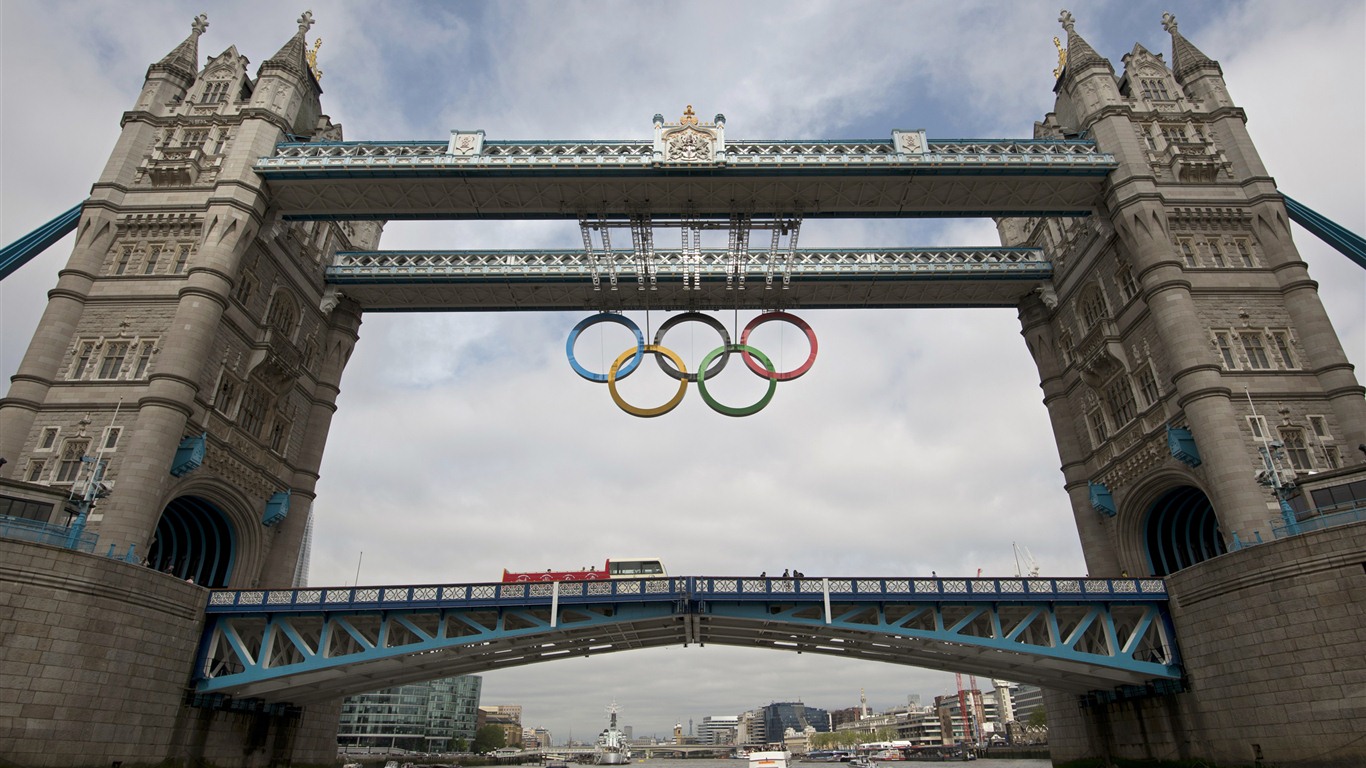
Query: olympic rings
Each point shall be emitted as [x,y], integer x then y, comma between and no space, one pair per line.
[592,320]
[673,366]
[769,373]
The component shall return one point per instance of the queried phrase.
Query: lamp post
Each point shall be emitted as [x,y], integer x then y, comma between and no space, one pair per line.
[1272,476]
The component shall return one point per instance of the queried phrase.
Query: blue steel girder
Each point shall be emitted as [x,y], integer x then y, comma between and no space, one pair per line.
[315,644]
[1081,636]
[303,645]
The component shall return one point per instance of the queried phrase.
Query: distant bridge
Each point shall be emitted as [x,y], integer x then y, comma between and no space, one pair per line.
[303,645]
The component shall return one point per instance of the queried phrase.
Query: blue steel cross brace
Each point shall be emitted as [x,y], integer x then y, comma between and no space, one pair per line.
[302,645]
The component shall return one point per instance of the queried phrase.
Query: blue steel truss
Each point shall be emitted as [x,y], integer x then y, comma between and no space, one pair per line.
[302,645]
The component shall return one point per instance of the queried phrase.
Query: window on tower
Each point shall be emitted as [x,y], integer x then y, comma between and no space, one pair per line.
[1296,449]
[1225,348]
[69,467]
[1256,352]
[114,354]
[216,92]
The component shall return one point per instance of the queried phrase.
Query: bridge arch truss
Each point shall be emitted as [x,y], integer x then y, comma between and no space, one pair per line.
[303,645]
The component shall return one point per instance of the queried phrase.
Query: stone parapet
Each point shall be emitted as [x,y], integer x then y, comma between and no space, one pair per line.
[1271,638]
[96,658]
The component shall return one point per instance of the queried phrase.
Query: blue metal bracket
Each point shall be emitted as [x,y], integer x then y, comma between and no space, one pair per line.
[1101,500]
[189,456]
[19,252]
[277,509]
[1181,443]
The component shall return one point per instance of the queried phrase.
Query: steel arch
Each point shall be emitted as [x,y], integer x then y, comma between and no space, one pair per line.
[302,645]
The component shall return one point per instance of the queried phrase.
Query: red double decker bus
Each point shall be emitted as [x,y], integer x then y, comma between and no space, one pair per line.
[624,568]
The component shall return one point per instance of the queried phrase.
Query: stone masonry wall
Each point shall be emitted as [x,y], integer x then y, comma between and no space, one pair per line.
[95,659]
[1273,639]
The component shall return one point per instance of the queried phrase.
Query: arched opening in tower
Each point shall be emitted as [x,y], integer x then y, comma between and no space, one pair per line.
[1182,531]
[193,541]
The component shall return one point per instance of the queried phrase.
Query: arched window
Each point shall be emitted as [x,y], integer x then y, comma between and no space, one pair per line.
[1093,309]
[283,314]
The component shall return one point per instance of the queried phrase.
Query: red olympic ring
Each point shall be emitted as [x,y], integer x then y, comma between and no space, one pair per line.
[757,367]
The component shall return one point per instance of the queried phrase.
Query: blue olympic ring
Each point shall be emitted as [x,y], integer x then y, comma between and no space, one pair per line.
[592,320]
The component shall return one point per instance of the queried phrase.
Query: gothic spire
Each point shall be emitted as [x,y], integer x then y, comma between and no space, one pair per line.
[1080,54]
[184,60]
[293,56]
[1186,58]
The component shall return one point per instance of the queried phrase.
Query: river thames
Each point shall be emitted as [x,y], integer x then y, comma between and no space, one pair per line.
[711,763]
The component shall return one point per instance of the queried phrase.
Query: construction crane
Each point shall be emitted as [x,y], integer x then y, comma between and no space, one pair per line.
[963,707]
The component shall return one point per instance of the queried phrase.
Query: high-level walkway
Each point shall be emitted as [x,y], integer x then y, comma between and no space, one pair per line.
[303,645]
[568,179]
[407,281]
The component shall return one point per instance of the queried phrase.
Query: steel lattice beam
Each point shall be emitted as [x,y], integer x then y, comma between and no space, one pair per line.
[569,179]
[706,279]
[313,644]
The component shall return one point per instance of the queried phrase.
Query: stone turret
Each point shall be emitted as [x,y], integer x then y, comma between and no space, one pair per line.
[1200,76]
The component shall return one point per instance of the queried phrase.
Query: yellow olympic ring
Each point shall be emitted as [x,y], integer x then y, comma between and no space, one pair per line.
[648,412]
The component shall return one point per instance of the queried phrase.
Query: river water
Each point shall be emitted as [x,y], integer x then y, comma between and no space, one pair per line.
[709,763]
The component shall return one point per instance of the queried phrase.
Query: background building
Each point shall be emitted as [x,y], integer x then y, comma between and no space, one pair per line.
[507,718]
[435,716]
[718,729]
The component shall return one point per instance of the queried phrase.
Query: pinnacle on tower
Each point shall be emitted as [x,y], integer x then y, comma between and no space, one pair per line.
[1080,54]
[1186,58]
[183,61]
[293,55]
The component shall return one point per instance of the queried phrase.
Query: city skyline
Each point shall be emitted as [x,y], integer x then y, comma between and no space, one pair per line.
[464,444]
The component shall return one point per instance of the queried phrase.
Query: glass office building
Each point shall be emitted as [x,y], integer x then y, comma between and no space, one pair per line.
[435,716]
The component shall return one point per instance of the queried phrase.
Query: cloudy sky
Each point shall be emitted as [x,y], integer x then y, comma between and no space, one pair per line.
[464,443]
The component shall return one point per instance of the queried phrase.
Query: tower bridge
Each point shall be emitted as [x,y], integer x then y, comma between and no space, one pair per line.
[217,283]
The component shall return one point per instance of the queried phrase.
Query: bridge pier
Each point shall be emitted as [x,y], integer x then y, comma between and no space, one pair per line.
[1272,638]
[96,657]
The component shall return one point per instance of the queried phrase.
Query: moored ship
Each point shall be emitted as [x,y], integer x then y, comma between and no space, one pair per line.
[612,748]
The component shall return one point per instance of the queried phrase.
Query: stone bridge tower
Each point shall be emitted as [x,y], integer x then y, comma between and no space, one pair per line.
[186,342]
[1202,406]
[1182,335]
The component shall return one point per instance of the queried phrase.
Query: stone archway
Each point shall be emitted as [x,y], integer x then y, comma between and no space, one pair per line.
[1181,530]
[194,540]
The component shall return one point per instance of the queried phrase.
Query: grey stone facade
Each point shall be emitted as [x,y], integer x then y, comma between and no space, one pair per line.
[95,659]
[1182,302]
[1271,637]
[189,307]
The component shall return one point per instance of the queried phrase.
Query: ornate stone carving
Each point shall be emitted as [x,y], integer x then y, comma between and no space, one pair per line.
[688,140]
[910,142]
[689,146]
[466,143]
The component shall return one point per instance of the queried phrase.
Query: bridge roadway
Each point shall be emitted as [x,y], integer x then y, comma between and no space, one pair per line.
[305,645]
